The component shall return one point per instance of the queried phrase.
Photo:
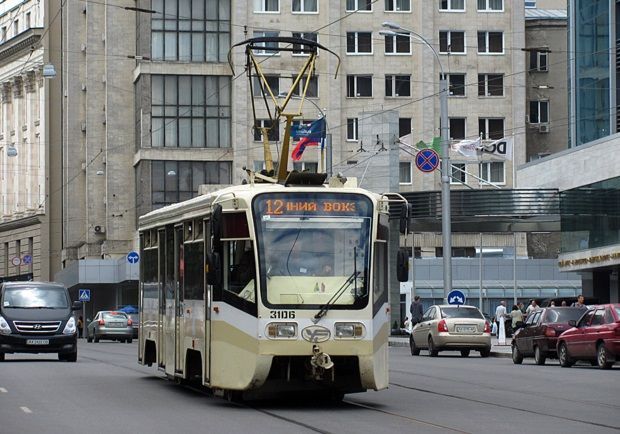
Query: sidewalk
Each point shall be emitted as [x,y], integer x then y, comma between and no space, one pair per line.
[496,349]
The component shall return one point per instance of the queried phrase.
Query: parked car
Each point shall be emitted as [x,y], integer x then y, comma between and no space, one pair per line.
[451,328]
[110,324]
[595,337]
[539,334]
[133,313]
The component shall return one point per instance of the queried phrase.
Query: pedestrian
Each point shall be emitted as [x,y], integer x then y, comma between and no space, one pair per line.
[552,304]
[580,303]
[416,311]
[521,307]
[517,318]
[407,325]
[500,317]
[532,307]
[563,303]
[494,328]
[80,326]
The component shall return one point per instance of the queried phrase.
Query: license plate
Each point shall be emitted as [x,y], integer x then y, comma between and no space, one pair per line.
[465,329]
[116,325]
[38,342]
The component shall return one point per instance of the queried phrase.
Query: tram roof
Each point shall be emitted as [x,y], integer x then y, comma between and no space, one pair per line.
[195,207]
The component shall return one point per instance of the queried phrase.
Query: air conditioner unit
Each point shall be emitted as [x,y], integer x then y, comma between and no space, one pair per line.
[543,128]
[99,229]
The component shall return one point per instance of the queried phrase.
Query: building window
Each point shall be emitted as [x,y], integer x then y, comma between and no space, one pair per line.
[404,174]
[28,24]
[313,87]
[397,85]
[359,5]
[456,84]
[490,85]
[268,48]
[273,81]
[190,111]
[398,5]
[175,181]
[457,128]
[452,5]
[190,31]
[15,27]
[459,176]
[273,134]
[359,43]
[539,61]
[4,34]
[264,6]
[491,128]
[404,126]
[397,44]
[491,5]
[359,86]
[451,42]
[539,112]
[305,6]
[530,4]
[493,171]
[352,130]
[490,43]
[299,49]
[306,166]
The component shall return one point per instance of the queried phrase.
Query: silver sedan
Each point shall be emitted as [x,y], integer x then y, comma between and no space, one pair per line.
[451,328]
[112,325]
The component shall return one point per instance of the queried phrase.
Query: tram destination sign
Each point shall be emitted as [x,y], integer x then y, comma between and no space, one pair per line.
[301,204]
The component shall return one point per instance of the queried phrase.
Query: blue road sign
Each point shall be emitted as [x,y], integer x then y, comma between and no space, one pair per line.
[427,160]
[456,297]
[27,259]
[84,294]
[133,257]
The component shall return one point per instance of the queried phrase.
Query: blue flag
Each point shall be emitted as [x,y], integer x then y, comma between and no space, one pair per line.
[308,135]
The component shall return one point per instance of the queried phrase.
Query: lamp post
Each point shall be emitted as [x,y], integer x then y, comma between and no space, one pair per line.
[446,227]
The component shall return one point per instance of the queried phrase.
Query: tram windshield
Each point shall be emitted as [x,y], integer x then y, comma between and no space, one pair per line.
[312,246]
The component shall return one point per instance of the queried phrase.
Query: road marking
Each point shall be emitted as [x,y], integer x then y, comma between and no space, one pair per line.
[25,409]
[3,390]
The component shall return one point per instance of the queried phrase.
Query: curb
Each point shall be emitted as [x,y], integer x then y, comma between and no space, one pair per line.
[493,353]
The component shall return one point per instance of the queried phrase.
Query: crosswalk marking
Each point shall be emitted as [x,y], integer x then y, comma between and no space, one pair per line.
[3,390]
[25,409]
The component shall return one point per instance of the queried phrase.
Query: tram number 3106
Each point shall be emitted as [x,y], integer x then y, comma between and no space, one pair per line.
[282,314]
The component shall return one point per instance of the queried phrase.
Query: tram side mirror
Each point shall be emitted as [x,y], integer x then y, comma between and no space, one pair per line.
[405,214]
[216,226]
[402,265]
[214,269]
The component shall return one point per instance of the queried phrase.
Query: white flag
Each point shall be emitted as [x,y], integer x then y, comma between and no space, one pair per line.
[501,148]
[468,148]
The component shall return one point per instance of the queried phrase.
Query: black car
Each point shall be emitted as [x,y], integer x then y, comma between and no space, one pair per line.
[37,317]
[539,334]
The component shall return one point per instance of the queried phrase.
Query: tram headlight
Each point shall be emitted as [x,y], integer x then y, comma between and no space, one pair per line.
[282,330]
[348,330]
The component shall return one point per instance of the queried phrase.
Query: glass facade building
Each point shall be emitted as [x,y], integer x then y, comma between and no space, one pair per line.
[593,72]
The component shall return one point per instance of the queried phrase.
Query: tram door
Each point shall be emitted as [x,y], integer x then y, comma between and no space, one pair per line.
[207,299]
[168,304]
[161,307]
[178,297]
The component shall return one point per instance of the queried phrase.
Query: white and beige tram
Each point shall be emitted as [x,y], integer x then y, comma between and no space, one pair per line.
[268,287]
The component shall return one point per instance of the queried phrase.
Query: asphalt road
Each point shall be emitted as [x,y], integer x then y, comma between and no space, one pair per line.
[106,391]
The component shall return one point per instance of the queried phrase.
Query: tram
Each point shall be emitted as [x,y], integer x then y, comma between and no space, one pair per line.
[276,285]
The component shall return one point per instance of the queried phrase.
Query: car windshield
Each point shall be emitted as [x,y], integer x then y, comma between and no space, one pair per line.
[461,312]
[114,315]
[563,314]
[313,246]
[35,297]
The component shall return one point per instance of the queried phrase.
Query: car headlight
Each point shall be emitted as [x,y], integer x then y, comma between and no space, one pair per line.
[349,330]
[284,330]
[70,328]
[5,329]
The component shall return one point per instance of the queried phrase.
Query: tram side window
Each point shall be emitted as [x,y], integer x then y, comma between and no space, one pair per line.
[149,270]
[241,269]
[380,281]
[194,271]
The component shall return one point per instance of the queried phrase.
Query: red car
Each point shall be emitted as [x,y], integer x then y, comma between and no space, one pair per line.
[595,338]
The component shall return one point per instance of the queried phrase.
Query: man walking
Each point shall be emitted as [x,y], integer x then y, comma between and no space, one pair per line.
[416,311]
[580,303]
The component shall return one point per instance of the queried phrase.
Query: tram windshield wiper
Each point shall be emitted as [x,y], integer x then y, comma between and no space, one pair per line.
[323,311]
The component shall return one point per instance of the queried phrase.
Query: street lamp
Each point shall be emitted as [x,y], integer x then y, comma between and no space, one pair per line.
[446,171]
